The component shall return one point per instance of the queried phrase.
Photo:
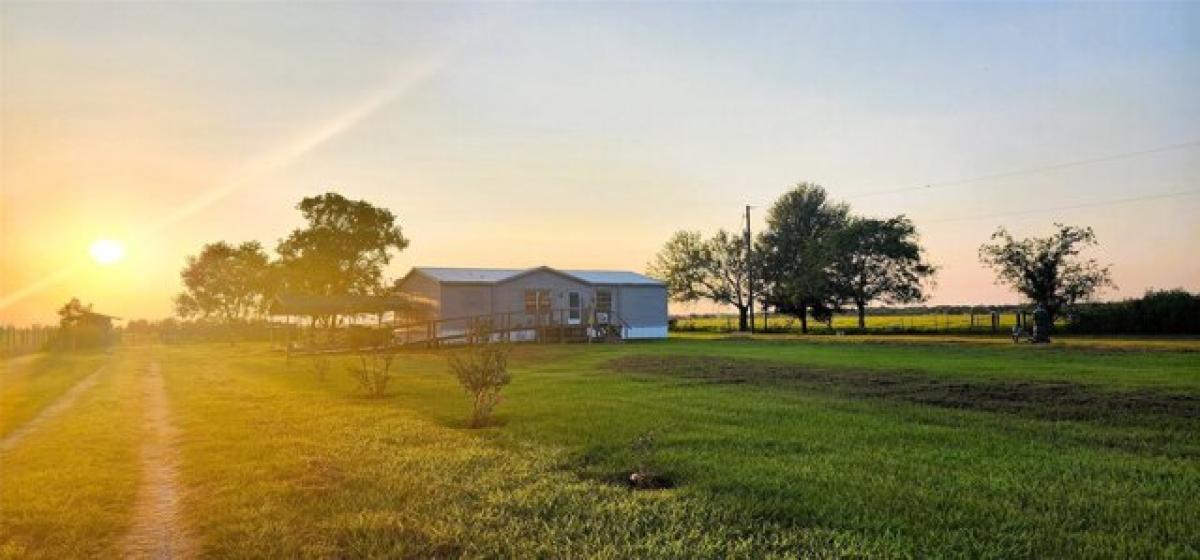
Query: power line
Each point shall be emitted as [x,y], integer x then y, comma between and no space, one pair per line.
[1031,170]
[1068,207]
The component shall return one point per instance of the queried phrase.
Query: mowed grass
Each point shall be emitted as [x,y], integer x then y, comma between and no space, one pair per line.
[67,489]
[280,465]
[30,383]
[277,463]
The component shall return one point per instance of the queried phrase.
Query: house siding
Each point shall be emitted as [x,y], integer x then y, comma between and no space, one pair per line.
[466,300]
[510,295]
[644,309]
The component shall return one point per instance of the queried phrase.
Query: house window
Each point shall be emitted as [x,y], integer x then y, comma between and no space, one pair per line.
[537,300]
[574,307]
[603,301]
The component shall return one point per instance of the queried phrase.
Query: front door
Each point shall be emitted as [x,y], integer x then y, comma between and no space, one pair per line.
[574,308]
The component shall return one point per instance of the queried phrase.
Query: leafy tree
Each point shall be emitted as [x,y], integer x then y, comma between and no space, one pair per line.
[715,269]
[798,251]
[225,282]
[880,260]
[1047,270]
[342,250]
[79,332]
[72,312]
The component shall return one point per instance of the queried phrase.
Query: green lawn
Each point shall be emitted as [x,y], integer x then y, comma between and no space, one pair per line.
[29,383]
[777,447]
[67,490]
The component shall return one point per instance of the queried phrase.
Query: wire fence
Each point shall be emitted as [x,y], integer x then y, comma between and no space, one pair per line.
[16,341]
[979,322]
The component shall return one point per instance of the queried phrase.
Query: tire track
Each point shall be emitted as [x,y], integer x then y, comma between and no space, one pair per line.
[64,402]
[158,532]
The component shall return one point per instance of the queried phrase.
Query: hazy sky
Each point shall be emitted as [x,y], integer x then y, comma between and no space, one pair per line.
[583,135]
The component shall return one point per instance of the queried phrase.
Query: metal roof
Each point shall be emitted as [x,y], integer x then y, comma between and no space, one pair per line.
[498,275]
[613,277]
[305,304]
[484,275]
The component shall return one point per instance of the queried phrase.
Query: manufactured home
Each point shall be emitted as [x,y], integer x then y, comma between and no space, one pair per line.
[627,303]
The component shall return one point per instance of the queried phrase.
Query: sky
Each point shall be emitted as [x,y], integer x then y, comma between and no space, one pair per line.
[583,135]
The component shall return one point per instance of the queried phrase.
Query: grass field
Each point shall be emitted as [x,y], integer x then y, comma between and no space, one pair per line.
[777,447]
[32,381]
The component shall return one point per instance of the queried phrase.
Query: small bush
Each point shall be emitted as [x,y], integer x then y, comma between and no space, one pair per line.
[320,366]
[360,337]
[482,370]
[373,373]
[644,476]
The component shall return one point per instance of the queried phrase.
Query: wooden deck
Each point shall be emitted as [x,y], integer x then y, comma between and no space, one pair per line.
[513,326]
[550,326]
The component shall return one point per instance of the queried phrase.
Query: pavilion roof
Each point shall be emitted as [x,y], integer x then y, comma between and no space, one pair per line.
[306,304]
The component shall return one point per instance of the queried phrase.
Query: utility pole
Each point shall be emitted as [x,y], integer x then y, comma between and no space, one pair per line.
[749,269]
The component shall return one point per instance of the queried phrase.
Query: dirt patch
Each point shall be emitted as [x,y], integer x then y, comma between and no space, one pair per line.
[624,478]
[157,531]
[1052,400]
[61,404]
[648,481]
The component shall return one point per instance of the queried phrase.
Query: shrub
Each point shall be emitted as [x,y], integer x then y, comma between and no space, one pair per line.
[1158,312]
[482,370]
[373,373]
[320,366]
[360,337]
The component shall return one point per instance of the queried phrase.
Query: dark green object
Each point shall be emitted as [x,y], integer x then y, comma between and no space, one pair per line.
[1041,325]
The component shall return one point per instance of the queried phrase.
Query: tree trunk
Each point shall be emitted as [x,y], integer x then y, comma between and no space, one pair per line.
[804,320]
[743,318]
[862,314]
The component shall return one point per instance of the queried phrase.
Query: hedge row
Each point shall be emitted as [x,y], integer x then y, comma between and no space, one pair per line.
[1158,312]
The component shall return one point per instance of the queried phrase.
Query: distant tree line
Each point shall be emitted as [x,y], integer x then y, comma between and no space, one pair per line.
[813,259]
[1158,312]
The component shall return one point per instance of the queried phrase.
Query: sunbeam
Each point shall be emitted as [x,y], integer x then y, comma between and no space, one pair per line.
[270,161]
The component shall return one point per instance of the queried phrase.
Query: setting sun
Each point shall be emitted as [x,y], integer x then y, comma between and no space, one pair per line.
[107,251]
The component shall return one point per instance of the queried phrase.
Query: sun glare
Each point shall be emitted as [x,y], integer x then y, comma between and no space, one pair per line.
[107,251]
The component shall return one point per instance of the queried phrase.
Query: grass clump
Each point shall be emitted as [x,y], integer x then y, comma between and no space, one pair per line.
[319,364]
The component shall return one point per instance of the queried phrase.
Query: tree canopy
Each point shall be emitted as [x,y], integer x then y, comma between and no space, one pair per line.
[342,250]
[1047,270]
[798,250]
[716,269]
[226,282]
[71,312]
[879,260]
[812,258]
